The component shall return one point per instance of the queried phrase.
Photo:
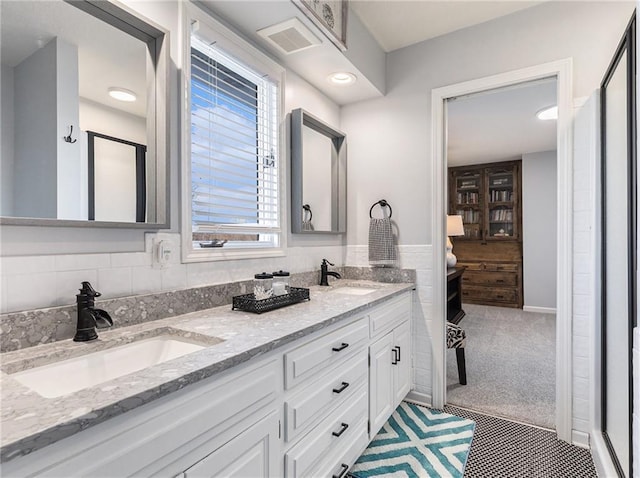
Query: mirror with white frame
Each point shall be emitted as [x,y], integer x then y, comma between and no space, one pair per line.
[69,146]
[318,175]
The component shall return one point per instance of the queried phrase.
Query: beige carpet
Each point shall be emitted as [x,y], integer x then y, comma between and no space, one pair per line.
[510,357]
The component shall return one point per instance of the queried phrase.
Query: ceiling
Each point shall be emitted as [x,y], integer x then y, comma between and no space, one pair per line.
[399,23]
[500,124]
[107,57]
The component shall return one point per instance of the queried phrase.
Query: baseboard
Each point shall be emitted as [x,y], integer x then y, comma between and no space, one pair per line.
[580,439]
[600,453]
[419,398]
[539,310]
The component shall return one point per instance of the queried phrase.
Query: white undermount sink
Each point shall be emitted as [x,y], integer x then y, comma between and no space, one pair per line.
[70,375]
[354,290]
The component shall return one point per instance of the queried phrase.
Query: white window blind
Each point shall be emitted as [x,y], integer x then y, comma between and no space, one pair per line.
[234,151]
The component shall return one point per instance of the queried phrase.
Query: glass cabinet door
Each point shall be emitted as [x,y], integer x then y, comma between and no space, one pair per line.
[502,220]
[467,203]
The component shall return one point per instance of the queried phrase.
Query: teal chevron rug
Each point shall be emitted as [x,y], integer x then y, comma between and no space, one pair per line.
[418,442]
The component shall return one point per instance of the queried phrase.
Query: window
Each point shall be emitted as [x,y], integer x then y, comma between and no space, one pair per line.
[233,148]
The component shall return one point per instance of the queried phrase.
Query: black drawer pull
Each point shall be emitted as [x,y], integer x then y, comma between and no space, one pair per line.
[499,297]
[399,356]
[342,430]
[341,388]
[342,347]
[394,359]
[499,280]
[343,470]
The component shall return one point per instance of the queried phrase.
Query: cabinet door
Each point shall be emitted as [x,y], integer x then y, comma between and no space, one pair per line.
[253,453]
[402,359]
[381,390]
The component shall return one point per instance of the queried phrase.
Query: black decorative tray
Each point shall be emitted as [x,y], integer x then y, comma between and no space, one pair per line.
[249,303]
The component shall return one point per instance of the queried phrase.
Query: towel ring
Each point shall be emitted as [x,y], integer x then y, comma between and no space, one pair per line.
[382,203]
[307,208]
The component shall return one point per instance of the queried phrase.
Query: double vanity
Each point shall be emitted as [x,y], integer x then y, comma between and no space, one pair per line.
[299,391]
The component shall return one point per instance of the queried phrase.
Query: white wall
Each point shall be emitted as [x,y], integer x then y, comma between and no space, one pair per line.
[7,131]
[539,216]
[112,122]
[389,138]
[35,172]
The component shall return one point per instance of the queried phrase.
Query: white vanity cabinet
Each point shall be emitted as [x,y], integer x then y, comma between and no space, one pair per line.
[167,437]
[307,409]
[253,453]
[326,406]
[390,360]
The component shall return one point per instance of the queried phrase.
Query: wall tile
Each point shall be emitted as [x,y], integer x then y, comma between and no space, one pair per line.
[581,409]
[581,367]
[27,264]
[20,290]
[131,259]
[68,284]
[115,282]
[145,280]
[75,262]
[581,388]
[174,277]
[581,347]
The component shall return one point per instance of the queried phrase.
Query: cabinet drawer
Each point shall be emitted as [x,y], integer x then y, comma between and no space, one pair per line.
[387,316]
[314,357]
[313,451]
[501,267]
[309,404]
[489,266]
[489,278]
[490,294]
[337,465]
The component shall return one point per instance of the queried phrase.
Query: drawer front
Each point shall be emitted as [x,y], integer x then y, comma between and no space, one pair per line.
[337,465]
[490,278]
[501,267]
[490,294]
[314,357]
[388,315]
[489,266]
[309,405]
[330,438]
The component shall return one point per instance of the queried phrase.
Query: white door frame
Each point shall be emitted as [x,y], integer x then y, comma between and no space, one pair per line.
[562,70]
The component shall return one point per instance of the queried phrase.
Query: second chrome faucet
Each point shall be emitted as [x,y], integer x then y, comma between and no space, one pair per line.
[325,272]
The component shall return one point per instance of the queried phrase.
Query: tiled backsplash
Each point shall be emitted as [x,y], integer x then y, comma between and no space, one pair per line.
[34,327]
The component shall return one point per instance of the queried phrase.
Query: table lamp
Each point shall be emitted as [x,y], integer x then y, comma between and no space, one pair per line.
[454,228]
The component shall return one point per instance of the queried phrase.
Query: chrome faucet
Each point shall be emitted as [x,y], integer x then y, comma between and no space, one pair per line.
[325,273]
[89,318]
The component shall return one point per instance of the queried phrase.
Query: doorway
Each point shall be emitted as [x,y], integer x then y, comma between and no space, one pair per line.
[561,70]
[501,163]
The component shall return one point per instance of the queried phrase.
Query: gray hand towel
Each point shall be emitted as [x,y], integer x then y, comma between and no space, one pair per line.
[382,251]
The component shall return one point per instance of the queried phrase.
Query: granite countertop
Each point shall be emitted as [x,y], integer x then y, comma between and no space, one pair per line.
[30,422]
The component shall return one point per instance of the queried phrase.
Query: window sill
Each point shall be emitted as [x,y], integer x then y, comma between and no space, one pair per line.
[221,254]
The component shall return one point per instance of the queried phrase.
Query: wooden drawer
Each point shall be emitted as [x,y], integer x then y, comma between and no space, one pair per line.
[489,266]
[489,294]
[308,405]
[500,267]
[312,453]
[314,357]
[387,316]
[500,279]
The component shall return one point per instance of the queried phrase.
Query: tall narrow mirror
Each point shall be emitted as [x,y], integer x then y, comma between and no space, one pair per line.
[318,175]
[618,251]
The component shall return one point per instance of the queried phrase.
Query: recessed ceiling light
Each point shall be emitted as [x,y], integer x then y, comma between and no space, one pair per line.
[549,113]
[122,94]
[342,78]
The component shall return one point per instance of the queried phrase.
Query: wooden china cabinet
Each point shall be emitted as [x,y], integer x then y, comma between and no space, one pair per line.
[489,199]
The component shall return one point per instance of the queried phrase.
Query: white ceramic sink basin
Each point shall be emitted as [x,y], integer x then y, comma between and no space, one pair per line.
[68,376]
[351,290]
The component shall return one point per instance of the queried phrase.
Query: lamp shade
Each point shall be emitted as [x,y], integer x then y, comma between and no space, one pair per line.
[454,226]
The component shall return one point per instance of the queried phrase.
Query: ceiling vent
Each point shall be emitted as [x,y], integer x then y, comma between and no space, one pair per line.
[290,36]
